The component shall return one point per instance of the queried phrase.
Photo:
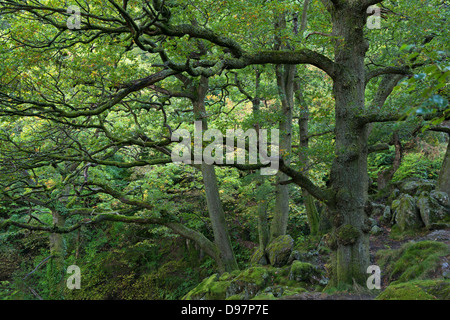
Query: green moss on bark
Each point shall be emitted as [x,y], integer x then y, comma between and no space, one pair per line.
[347,235]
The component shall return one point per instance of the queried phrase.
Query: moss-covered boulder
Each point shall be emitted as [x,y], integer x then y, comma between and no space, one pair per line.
[258,257]
[407,216]
[209,289]
[250,282]
[386,217]
[441,197]
[279,250]
[260,282]
[413,187]
[304,272]
[417,290]
[416,260]
[430,209]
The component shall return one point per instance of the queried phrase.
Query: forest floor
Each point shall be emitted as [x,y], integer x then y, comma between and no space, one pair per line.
[379,242]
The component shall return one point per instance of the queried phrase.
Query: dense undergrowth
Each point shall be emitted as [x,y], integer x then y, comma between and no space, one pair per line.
[124,261]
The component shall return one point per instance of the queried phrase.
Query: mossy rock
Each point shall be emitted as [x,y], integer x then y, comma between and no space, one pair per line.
[279,250]
[414,187]
[256,275]
[386,218]
[249,282]
[406,213]
[417,290]
[412,261]
[201,291]
[258,257]
[304,272]
[239,296]
[264,296]
[431,211]
[441,197]
[252,283]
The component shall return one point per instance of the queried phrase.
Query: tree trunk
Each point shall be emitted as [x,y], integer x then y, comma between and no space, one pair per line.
[349,179]
[285,81]
[262,201]
[226,259]
[311,209]
[55,267]
[386,176]
[443,183]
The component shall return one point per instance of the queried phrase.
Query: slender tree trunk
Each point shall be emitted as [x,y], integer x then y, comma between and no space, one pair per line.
[386,176]
[311,209]
[443,183]
[226,259]
[263,202]
[55,268]
[349,179]
[285,81]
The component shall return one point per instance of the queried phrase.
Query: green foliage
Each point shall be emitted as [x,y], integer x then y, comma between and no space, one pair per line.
[416,165]
[80,134]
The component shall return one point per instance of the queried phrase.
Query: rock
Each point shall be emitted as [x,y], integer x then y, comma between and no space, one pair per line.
[430,209]
[279,250]
[295,255]
[304,272]
[414,187]
[204,290]
[417,290]
[441,197]
[376,230]
[394,195]
[276,291]
[258,257]
[310,256]
[406,213]
[377,209]
[446,270]
[439,235]
[373,222]
[237,285]
[386,218]
[249,282]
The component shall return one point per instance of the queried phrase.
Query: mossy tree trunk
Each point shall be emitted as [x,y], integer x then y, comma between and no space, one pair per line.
[386,176]
[443,183]
[55,267]
[349,178]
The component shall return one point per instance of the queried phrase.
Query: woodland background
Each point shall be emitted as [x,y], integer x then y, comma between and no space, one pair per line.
[86,178]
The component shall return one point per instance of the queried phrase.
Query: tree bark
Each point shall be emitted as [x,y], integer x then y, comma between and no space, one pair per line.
[311,209]
[285,74]
[386,176]
[55,268]
[262,201]
[443,183]
[349,179]
[285,81]
[226,259]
